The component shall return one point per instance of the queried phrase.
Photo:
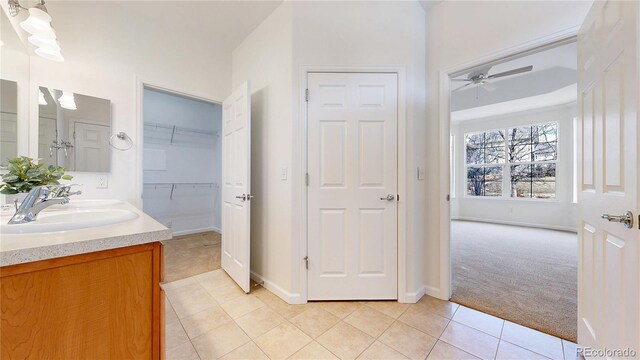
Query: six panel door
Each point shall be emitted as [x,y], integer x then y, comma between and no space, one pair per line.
[236,186]
[608,78]
[353,183]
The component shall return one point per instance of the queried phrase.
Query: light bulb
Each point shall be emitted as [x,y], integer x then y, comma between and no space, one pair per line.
[44,42]
[38,23]
[67,101]
[41,99]
[50,54]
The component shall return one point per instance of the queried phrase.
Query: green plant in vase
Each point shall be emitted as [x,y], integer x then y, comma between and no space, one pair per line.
[24,174]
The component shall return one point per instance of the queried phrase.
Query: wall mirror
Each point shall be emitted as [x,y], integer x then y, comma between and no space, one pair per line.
[14,92]
[74,130]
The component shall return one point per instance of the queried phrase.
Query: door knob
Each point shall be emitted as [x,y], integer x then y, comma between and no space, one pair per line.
[389,197]
[626,218]
[242,197]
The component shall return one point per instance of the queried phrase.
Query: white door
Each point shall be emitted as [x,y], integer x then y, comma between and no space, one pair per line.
[353,184]
[47,134]
[608,77]
[236,181]
[91,147]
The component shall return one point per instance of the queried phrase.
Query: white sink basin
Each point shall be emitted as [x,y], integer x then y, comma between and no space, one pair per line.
[85,204]
[72,219]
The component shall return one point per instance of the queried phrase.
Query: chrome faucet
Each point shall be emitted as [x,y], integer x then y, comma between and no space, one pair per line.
[40,198]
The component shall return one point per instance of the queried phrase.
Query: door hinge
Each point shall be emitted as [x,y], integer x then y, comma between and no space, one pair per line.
[306,179]
[306,262]
[398,197]
[306,95]
[448,197]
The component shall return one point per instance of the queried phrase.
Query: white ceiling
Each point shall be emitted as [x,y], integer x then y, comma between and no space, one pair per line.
[562,96]
[560,56]
[225,23]
[553,69]
[219,24]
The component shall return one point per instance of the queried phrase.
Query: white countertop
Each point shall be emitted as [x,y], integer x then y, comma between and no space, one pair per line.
[24,248]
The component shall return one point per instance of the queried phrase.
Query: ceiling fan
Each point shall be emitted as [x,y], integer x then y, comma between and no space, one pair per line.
[481,77]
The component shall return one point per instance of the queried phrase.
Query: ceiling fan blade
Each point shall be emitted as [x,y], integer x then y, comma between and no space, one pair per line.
[461,87]
[511,72]
[460,80]
[489,86]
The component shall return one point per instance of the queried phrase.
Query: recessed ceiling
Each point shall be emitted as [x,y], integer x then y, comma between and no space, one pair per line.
[553,69]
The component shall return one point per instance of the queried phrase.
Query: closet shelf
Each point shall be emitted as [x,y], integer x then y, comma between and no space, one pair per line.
[171,131]
[175,185]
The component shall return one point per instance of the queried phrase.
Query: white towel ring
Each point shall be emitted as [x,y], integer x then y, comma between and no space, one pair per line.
[121,136]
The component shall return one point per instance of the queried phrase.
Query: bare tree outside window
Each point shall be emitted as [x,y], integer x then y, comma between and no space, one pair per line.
[485,148]
[536,147]
[529,153]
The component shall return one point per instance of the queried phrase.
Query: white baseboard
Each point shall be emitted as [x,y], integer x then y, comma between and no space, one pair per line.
[414,297]
[289,298]
[195,231]
[516,223]
[433,292]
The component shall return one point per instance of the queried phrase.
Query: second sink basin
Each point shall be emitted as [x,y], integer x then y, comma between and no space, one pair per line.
[71,219]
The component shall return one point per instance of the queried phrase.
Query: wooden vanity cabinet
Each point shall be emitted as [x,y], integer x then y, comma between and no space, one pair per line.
[100,305]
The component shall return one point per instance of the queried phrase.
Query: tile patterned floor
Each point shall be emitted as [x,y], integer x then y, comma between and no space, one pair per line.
[209,317]
[189,255]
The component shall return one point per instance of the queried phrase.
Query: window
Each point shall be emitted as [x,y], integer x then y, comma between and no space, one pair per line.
[484,150]
[524,156]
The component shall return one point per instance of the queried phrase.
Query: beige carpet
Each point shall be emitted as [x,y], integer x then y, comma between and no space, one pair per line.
[524,275]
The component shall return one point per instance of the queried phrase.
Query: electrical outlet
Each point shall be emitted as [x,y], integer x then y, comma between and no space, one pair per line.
[102,182]
[283,174]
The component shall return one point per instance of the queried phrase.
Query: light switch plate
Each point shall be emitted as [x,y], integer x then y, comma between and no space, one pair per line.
[103,182]
[283,174]
[421,173]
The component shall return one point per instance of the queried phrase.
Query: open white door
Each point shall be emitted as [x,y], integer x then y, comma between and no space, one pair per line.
[236,185]
[608,77]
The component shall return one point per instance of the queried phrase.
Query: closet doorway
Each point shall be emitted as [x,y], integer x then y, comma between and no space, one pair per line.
[182,176]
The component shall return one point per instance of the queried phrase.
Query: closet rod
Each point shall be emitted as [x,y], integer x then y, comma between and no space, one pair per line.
[180,183]
[174,128]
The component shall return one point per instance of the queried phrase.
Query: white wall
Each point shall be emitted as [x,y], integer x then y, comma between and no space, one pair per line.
[560,213]
[106,52]
[265,59]
[355,34]
[190,158]
[460,32]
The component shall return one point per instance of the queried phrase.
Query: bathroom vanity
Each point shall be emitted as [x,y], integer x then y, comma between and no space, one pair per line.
[88,293]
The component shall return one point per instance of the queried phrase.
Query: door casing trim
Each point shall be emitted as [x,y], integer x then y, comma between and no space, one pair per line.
[140,85]
[444,121]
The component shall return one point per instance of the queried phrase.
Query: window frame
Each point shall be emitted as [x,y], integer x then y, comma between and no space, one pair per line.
[506,165]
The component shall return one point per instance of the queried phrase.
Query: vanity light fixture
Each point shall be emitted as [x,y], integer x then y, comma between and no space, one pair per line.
[38,24]
[67,101]
[41,99]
